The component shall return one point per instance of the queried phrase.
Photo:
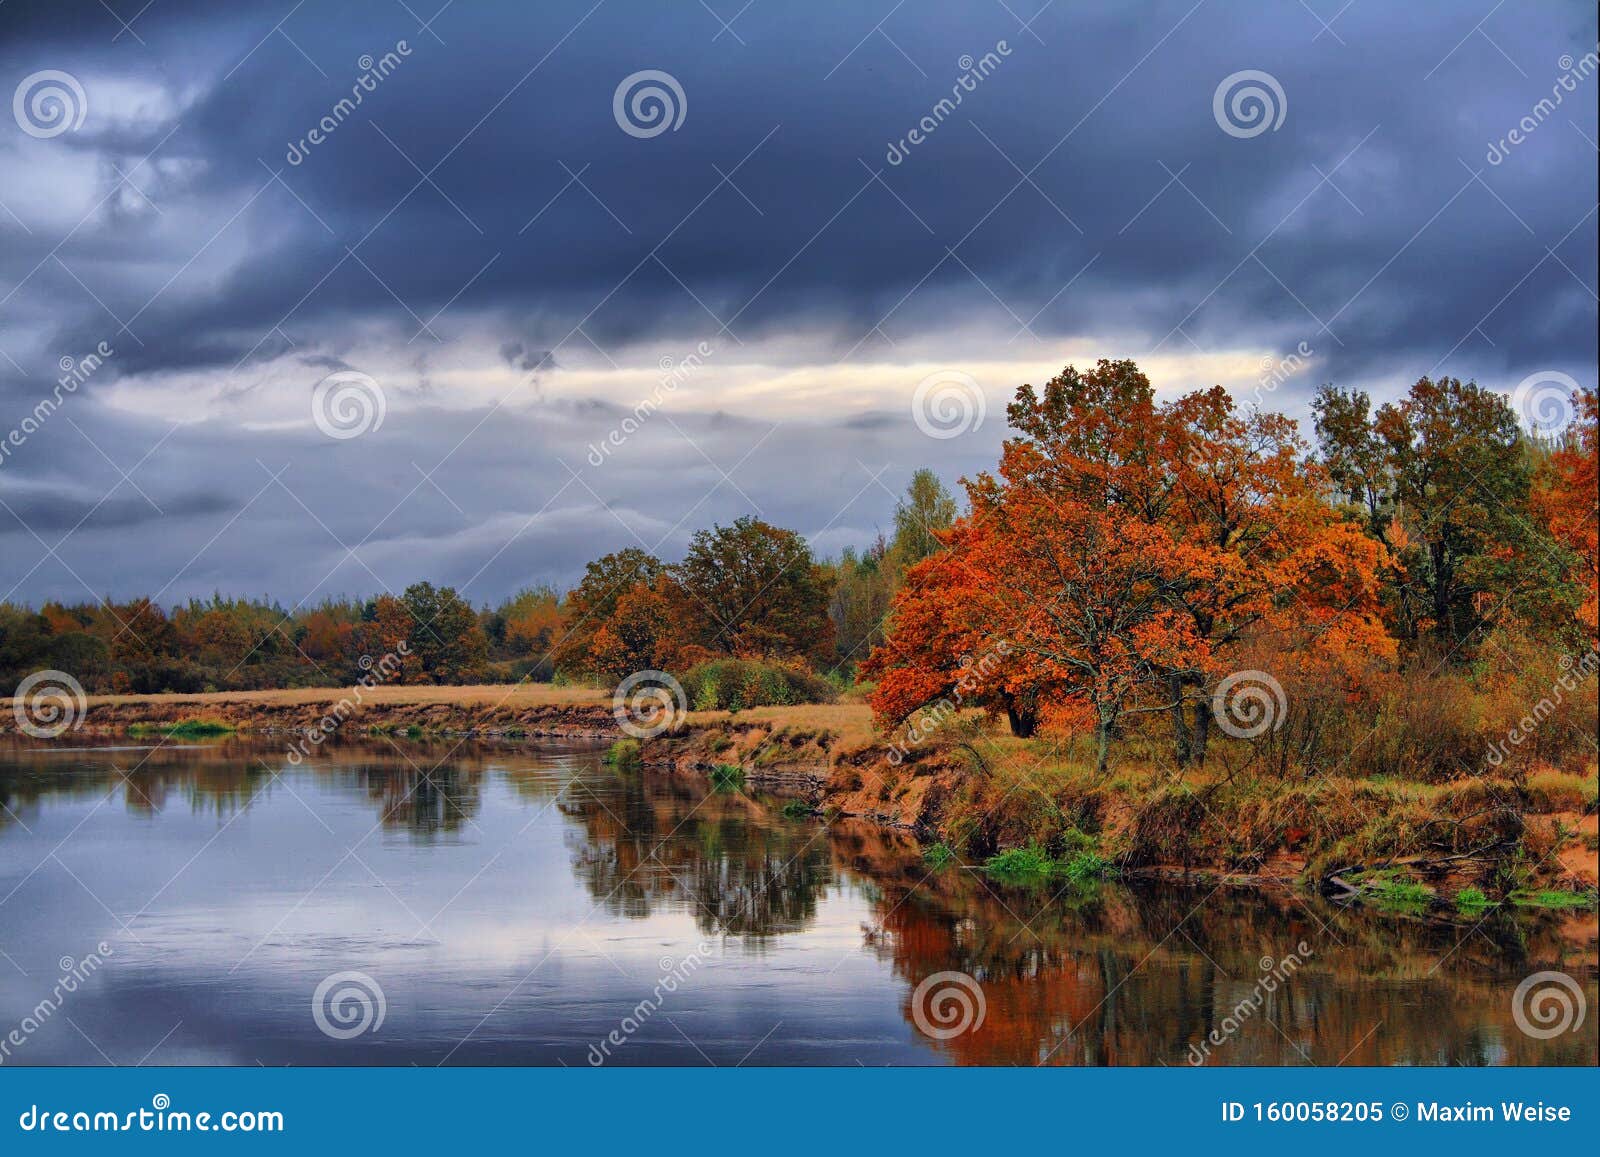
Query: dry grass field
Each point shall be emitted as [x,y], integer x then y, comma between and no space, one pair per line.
[483,695]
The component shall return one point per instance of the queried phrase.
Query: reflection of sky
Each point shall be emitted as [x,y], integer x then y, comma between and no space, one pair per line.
[232,920]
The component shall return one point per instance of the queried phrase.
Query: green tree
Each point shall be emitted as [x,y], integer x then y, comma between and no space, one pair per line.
[926,509]
[754,590]
[860,601]
[447,641]
[1441,478]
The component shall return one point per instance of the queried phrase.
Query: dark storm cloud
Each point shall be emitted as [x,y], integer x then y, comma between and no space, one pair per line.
[482,190]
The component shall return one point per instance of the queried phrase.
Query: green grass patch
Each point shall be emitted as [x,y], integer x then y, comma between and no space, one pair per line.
[184,729]
[1080,865]
[1548,898]
[1398,894]
[937,856]
[1020,865]
[727,777]
[1083,867]
[795,809]
[1472,901]
[625,753]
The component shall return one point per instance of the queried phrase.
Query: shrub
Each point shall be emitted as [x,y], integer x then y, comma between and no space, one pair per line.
[734,684]
[727,777]
[937,855]
[796,809]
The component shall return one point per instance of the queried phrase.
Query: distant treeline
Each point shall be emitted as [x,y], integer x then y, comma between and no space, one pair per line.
[745,590]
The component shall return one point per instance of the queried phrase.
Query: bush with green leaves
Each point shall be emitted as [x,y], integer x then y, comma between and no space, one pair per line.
[735,684]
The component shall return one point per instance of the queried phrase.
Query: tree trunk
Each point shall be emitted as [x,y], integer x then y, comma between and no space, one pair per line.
[1180,722]
[1443,626]
[1024,720]
[1102,745]
[1202,732]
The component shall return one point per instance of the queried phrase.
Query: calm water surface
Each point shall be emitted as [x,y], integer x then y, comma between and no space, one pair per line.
[519,905]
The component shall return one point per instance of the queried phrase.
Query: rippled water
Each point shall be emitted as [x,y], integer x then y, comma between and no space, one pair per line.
[510,904]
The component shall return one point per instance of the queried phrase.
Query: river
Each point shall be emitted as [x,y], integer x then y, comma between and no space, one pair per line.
[397,902]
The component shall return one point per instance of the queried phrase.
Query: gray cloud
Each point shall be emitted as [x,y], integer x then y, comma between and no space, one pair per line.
[1081,193]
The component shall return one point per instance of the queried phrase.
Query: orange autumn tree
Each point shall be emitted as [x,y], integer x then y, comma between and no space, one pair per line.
[1568,497]
[1271,556]
[1121,551]
[1064,561]
[941,650]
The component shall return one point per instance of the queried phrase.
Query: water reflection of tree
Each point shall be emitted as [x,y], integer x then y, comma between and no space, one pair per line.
[144,782]
[421,796]
[425,802]
[1123,976]
[645,841]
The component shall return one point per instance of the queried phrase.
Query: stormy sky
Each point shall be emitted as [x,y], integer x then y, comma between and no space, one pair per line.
[353,343]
